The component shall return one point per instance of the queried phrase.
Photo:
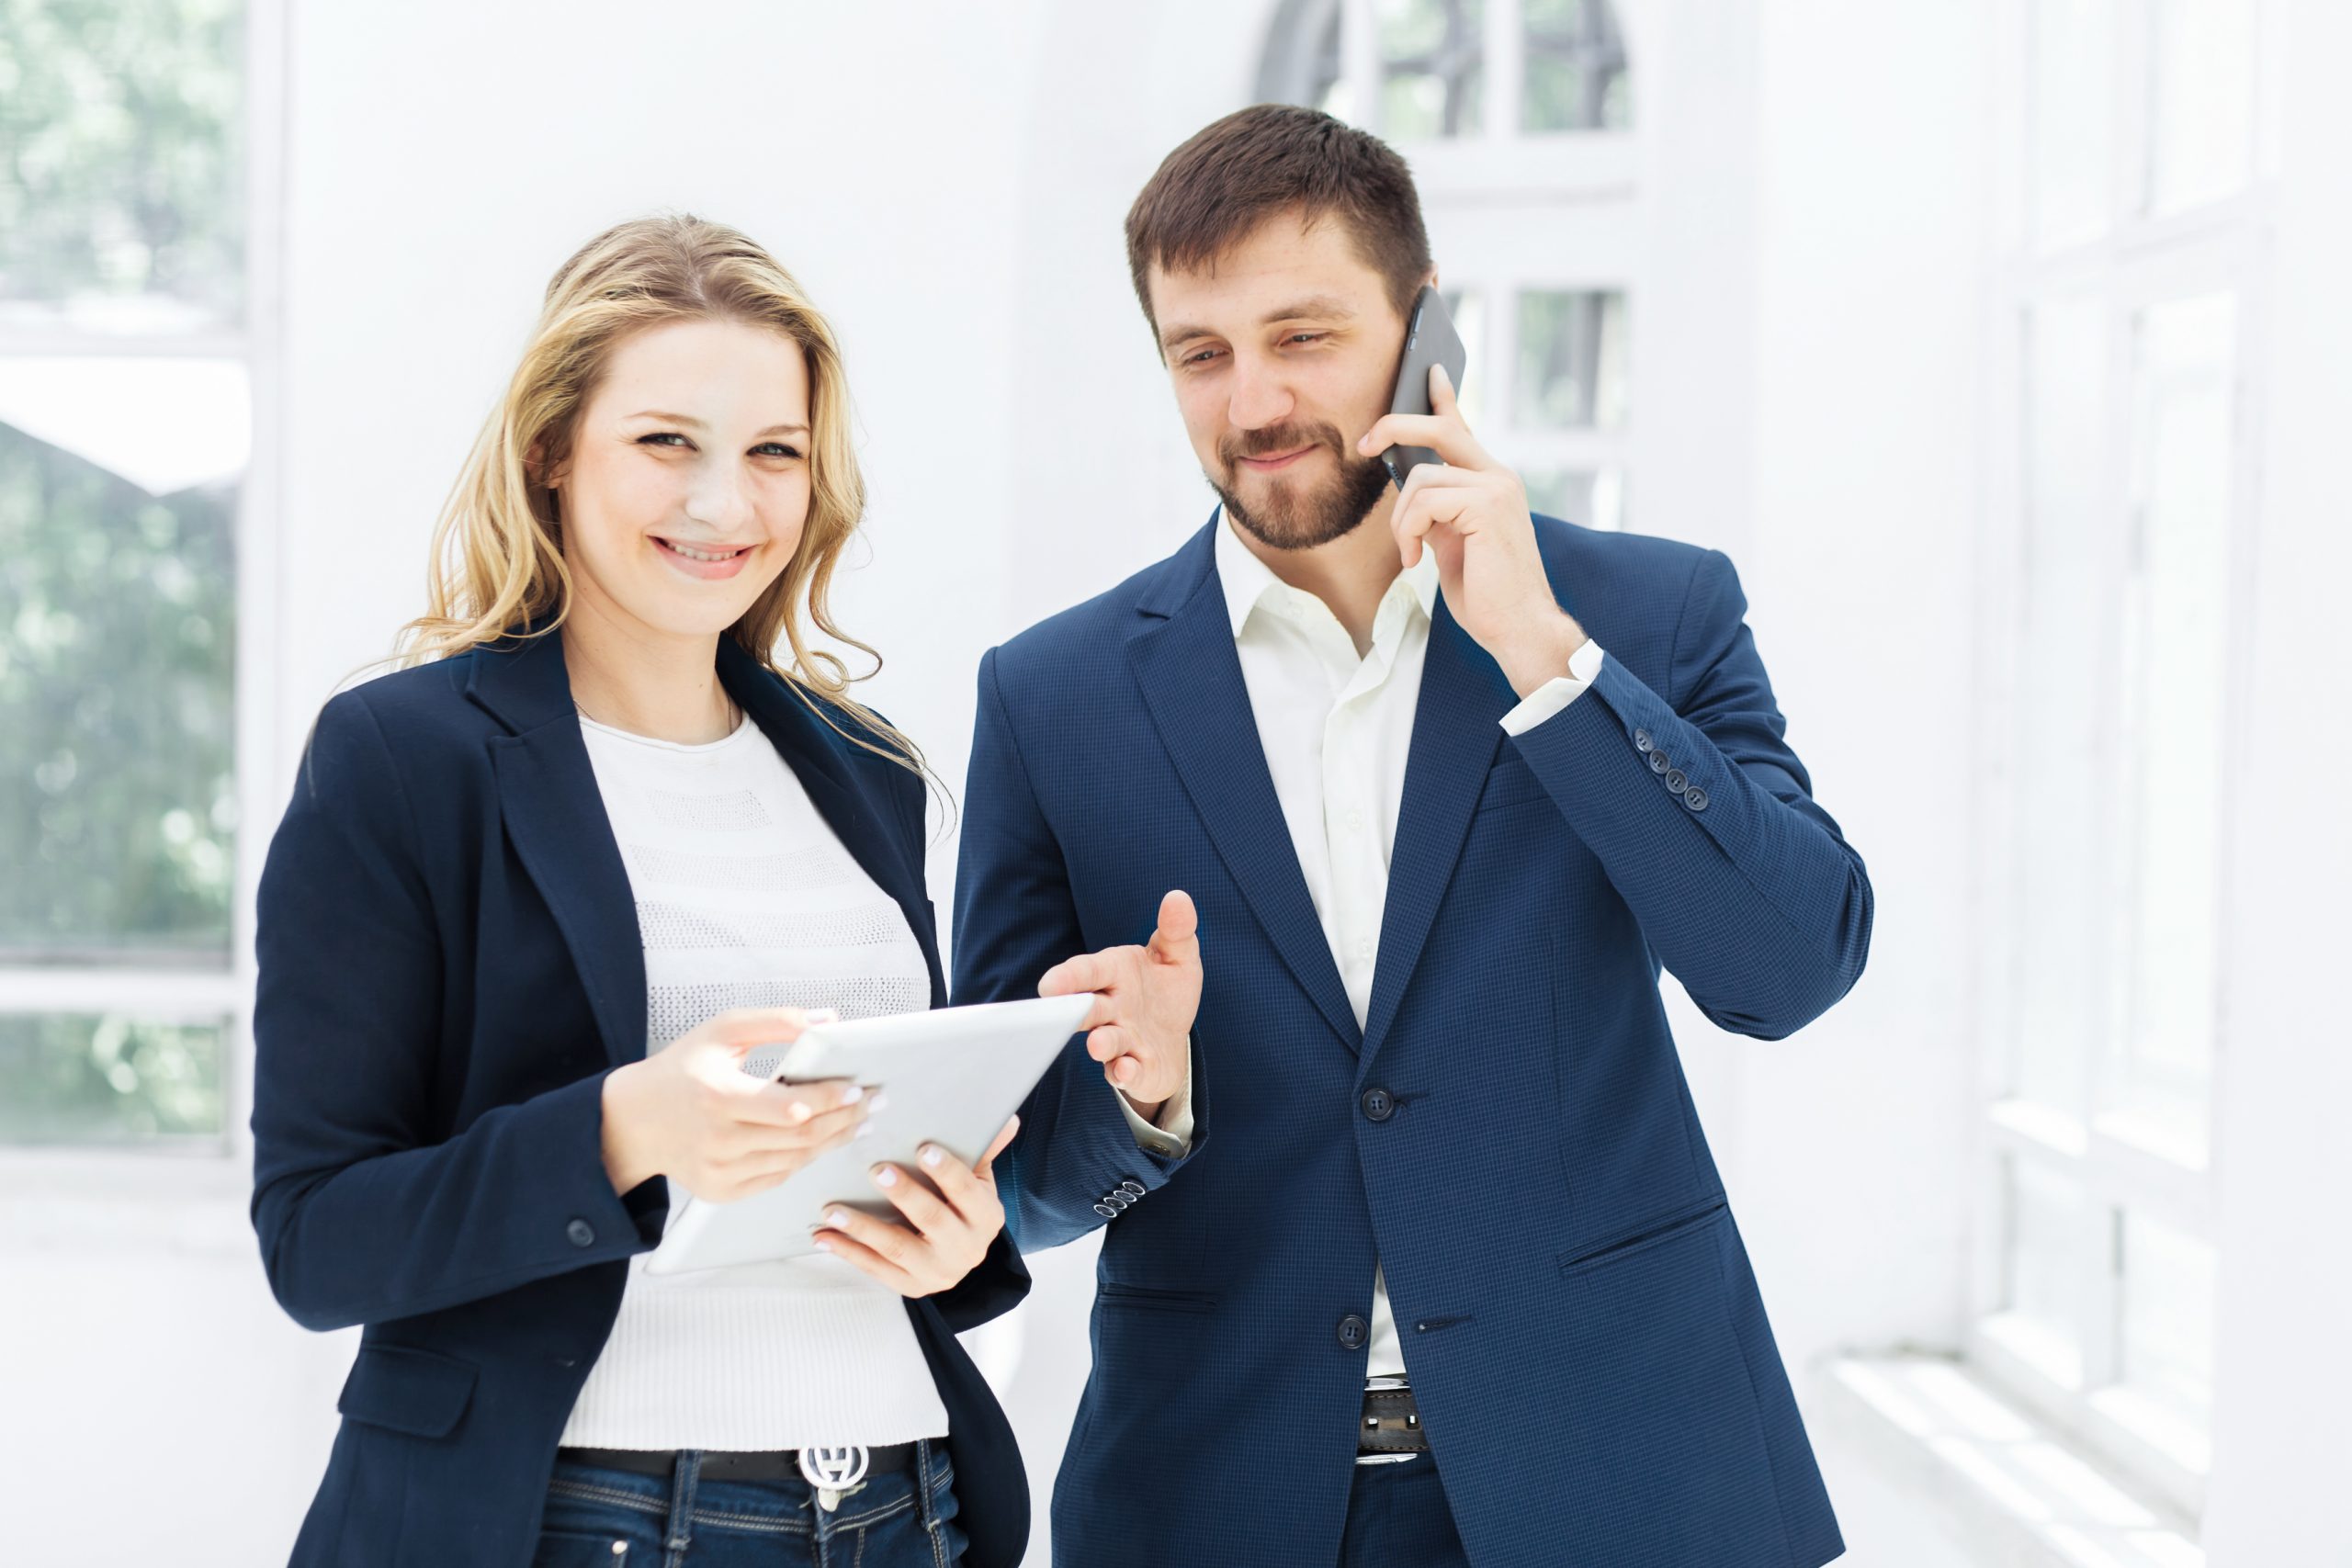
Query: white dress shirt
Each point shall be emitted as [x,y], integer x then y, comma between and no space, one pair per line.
[1336,729]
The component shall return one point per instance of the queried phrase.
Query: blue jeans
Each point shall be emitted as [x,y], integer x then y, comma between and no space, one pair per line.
[1398,1518]
[613,1519]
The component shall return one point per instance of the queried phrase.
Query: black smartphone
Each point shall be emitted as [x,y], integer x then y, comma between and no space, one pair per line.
[1429,339]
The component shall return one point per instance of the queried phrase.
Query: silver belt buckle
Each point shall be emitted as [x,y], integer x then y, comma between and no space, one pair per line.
[834,1472]
[1386,1380]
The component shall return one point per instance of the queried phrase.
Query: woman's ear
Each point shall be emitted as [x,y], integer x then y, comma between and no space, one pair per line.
[535,466]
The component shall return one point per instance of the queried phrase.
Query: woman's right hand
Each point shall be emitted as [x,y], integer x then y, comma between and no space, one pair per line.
[690,1112]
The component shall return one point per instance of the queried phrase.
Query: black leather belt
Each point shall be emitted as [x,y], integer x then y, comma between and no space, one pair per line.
[719,1464]
[1391,1424]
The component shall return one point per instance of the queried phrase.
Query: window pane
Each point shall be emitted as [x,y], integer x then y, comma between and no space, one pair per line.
[2046,1234]
[118,500]
[2175,655]
[1575,76]
[2202,143]
[2073,112]
[2061,922]
[1328,86]
[81,1078]
[121,186]
[1574,495]
[1468,309]
[1432,66]
[1571,359]
[2168,1318]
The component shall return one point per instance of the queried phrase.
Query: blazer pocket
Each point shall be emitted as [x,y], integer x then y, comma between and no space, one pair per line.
[1643,1239]
[1158,1301]
[405,1390]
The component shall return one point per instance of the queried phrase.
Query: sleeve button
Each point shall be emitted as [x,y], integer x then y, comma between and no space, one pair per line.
[1107,1211]
[580,1233]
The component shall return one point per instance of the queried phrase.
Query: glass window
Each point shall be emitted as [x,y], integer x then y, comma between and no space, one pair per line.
[1571,359]
[2061,923]
[1468,309]
[2047,1211]
[121,149]
[2176,634]
[2167,1347]
[83,1078]
[1432,68]
[124,442]
[1574,64]
[2072,118]
[1596,499]
[2201,120]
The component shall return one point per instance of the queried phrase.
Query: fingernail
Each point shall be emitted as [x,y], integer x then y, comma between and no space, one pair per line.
[885,1175]
[800,1112]
[863,1128]
[881,1099]
[838,1220]
[824,1246]
[853,1094]
[931,1154]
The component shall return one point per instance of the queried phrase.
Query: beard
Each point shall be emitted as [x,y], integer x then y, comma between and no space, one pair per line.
[1300,515]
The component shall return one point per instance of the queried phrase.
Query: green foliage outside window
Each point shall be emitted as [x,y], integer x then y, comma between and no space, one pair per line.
[121,149]
[118,798]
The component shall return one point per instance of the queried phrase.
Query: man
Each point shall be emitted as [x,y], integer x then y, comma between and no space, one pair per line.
[1438,842]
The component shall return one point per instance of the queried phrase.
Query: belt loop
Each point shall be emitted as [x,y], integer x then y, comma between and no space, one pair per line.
[926,1505]
[683,1482]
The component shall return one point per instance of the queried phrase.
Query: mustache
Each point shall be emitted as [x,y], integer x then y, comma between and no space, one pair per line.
[1279,438]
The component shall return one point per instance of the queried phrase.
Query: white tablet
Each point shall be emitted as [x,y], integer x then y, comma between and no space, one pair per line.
[954,1076]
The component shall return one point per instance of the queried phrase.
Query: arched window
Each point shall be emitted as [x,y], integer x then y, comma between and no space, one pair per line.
[1517,117]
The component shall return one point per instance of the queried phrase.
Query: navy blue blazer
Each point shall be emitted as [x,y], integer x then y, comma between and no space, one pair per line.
[1509,1134]
[450,964]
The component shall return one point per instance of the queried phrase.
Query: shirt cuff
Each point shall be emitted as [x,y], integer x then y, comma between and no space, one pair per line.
[1175,1117]
[1546,700]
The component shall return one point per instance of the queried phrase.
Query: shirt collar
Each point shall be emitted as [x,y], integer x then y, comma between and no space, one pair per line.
[1247,580]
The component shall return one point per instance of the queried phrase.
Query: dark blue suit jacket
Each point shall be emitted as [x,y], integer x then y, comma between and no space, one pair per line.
[1584,1338]
[450,964]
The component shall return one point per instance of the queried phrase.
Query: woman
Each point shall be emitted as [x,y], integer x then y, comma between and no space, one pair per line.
[481,1077]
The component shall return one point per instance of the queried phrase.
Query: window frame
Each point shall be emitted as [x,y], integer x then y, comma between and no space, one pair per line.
[1520,211]
[199,1166]
[2141,259]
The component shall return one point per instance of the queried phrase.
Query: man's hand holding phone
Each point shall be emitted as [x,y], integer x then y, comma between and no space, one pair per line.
[1472,510]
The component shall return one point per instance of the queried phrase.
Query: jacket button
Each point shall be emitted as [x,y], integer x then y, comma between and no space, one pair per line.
[581,1233]
[1696,796]
[1658,764]
[1353,1331]
[1107,1211]
[1642,741]
[1379,1104]
[1676,781]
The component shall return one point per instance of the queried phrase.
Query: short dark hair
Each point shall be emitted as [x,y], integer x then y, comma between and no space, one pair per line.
[1269,158]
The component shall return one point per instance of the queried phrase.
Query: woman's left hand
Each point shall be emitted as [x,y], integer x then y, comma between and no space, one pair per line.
[950,1215]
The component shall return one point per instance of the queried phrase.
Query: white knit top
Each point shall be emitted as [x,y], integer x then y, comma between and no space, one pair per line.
[746,898]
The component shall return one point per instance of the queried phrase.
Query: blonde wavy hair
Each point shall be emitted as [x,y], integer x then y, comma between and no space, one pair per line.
[497,557]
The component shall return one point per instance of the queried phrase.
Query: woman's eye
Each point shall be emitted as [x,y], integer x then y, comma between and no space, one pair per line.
[662,435]
[775,449]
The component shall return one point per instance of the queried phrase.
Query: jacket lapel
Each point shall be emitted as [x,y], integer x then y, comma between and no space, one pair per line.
[1191,678]
[555,817]
[1456,733]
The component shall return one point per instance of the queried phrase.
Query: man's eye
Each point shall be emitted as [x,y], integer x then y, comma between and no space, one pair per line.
[1306,337]
[1203,357]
